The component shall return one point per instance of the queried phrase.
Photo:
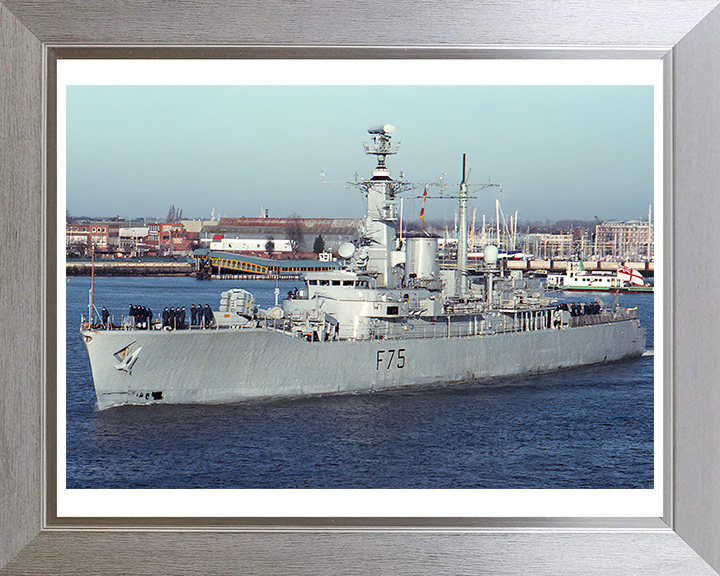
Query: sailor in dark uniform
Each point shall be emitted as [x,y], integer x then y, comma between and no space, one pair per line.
[105,317]
[193,315]
[149,318]
[181,318]
[165,317]
[208,316]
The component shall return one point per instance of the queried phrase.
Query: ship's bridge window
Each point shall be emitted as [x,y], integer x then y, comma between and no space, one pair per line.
[336,282]
[324,283]
[348,283]
[312,282]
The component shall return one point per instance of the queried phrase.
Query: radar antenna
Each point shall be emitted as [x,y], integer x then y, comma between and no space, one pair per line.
[381,147]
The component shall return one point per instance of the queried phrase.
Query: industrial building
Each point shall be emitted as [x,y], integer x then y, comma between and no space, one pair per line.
[623,241]
[250,235]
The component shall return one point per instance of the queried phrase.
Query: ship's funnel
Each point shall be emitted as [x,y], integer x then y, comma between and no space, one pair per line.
[383,129]
[421,263]
[490,255]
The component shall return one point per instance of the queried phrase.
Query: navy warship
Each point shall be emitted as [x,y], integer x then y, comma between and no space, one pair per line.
[389,317]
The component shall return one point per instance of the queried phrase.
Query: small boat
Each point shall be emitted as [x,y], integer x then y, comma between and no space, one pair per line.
[577,278]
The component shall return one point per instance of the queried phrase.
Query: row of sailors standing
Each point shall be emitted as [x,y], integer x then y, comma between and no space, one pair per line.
[142,316]
[581,309]
[175,317]
[200,316]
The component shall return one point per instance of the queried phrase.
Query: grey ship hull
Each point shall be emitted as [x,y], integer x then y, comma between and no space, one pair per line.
[217,366]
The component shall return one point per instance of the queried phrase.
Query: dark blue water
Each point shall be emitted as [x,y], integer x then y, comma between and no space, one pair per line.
[581,428]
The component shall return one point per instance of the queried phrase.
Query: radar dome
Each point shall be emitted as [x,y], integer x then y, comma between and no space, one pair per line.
[382,129]
[490,255]
[346,250]
[275,312]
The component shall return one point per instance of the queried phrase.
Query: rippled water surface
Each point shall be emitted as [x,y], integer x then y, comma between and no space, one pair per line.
[582,428]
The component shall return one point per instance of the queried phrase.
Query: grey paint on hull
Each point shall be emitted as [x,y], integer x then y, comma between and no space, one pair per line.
[214,366]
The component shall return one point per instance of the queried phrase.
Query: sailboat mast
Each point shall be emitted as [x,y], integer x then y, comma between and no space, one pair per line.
[462,247]
[649,235]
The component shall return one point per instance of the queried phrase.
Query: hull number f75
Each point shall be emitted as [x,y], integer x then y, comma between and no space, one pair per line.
[390,359]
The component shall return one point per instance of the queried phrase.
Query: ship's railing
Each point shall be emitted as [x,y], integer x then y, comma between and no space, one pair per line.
[465,329]
[438,329]
[608,316]
[130,323]
[444,329]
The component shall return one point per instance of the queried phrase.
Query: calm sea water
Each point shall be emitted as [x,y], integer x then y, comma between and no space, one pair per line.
[581,428]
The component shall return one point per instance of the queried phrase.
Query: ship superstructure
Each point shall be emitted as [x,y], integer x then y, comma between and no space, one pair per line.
[390,317]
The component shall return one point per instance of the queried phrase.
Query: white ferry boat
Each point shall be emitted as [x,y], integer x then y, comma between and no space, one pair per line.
[577,278]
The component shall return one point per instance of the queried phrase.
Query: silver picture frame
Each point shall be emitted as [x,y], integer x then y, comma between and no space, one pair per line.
[685,34]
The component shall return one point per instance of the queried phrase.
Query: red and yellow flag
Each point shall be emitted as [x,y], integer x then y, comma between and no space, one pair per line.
[422,210]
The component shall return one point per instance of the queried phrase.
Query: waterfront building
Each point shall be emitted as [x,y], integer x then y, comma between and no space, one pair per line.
[131,240]
[79,237]
[127,239]
[252,234]
[168,239]
[625,241]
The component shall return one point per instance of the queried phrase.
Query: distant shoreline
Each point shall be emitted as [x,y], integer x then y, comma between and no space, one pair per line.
[115,268]
[130,268]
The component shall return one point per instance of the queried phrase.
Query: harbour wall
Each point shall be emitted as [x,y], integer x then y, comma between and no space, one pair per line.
[114,268]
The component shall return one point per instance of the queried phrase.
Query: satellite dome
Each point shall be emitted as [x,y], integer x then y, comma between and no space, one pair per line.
[346,250]
[490,255]
[275,312]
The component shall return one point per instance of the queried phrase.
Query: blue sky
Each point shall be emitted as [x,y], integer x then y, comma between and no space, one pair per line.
[560,152]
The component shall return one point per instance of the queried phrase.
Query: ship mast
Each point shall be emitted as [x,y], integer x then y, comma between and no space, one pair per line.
[461,274]
[91,305]
[382,205]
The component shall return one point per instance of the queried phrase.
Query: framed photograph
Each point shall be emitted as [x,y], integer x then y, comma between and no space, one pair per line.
[416,530]
[120,118]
